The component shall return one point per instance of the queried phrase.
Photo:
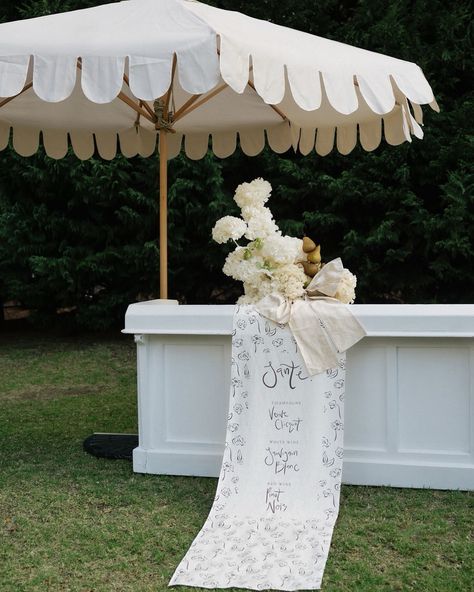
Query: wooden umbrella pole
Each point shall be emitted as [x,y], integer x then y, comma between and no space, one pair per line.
[163,156]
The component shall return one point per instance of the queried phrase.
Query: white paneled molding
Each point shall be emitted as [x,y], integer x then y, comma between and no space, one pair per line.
[409,393]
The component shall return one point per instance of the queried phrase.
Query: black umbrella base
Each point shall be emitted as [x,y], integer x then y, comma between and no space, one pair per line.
[113,446]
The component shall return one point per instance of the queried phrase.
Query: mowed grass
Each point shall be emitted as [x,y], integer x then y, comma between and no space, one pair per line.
[72,523]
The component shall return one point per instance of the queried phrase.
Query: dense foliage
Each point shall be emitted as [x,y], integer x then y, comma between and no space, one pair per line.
[82,235]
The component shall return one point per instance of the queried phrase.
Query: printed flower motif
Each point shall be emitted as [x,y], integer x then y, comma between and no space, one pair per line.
[328,394]
[235,383]
[233,427]
[269,330]
[237,342]
[253,320]
[332,372]
[241,324]
[244,356]
[339,383]
[339,452]
[335,473]
[326,461]
[238,441]
[329,512]
[325,442]
[337,426]
[257,340]
[227,466]
[226,493]
[238,408]
[277,342]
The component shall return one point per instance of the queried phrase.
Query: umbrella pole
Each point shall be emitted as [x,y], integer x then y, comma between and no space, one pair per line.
[163,158]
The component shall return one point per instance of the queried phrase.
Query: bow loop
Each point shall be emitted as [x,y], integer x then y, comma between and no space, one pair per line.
[327,280]
[321,325]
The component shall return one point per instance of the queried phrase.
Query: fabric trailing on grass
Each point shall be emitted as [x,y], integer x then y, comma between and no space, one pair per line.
[277,498]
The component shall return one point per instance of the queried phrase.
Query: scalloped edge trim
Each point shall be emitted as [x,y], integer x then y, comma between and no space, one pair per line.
[396,128]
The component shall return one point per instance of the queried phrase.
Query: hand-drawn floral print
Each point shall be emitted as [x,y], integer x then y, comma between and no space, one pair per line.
[278,539]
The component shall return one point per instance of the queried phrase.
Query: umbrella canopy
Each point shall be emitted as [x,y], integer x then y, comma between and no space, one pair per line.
[122,76]
[94,74]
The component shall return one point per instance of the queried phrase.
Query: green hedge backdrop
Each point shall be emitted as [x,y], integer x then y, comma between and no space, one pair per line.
[82,236]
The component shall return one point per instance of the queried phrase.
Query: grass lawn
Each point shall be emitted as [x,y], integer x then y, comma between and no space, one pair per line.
[72,523]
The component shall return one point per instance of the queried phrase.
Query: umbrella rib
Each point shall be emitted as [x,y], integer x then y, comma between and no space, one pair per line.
[142,103]
[183,108]
[167,97]
[276,109]
[9,99]
[191,103]
[128,101]
[195,105]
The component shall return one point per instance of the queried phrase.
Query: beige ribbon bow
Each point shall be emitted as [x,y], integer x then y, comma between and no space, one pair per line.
[322,325]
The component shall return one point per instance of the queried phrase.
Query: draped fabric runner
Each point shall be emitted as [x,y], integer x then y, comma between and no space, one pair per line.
[277,498]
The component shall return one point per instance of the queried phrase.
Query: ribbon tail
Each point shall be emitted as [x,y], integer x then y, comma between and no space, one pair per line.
[316,347]
[341,325]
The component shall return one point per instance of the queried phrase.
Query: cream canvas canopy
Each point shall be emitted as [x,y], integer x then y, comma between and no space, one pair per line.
[122,76]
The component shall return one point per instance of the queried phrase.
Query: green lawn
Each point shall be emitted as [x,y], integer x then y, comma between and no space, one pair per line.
[72,523]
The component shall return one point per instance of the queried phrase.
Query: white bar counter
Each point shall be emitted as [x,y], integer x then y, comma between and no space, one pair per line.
[409,419]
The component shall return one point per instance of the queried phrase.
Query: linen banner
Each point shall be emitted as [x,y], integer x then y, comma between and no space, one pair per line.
[277,498]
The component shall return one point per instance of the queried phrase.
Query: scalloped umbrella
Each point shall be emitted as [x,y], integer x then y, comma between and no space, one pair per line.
[128,75]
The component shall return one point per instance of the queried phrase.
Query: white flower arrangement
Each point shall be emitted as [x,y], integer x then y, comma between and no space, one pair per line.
[270,262]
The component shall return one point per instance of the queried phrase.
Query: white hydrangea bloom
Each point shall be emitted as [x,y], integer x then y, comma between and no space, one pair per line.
[249,212]
[346,289]
[282,250]
[258,287]
[228,228]
[262,225]
[255,193]
[251,293]
[244,270]
[289,280]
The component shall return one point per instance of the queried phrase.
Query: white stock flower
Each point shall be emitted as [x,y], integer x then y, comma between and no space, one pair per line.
[228,228]
[346,288]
